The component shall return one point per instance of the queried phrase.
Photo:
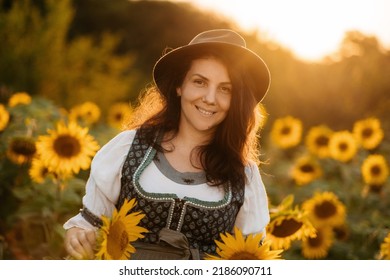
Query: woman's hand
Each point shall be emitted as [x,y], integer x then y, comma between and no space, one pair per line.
[80,243]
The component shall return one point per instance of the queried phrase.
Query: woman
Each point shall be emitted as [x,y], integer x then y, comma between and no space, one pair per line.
[191,160]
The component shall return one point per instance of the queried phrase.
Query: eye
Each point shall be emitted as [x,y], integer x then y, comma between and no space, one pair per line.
[226,89]
[199,82]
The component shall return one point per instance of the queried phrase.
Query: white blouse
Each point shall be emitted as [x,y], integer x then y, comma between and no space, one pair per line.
[103,187]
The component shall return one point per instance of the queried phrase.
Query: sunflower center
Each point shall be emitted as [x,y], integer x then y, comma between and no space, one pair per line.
[23,147]
[343,146]
[118,116]
[340,233]
[117,240]
[322,141]
[375,170]
[307,168]
[43,171]
[243,255]
[287,228]
[315,242]
[367,132]
[286,130]
[67,146]
[325,210]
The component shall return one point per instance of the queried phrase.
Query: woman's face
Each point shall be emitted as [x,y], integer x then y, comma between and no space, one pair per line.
[205,95]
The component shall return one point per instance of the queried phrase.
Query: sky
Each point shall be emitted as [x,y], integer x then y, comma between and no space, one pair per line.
[311,29]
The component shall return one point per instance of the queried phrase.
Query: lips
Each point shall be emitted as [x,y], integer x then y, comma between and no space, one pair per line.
[205,112]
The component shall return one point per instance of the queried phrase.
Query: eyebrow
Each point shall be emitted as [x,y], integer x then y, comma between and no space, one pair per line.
[203,77]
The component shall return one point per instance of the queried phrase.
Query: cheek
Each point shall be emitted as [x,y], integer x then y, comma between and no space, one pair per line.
[225,103]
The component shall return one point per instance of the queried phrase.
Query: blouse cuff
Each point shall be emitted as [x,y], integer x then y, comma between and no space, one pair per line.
[91,218]
[79,222]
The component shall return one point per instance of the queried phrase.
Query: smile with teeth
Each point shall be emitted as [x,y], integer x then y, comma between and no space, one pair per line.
[205,112]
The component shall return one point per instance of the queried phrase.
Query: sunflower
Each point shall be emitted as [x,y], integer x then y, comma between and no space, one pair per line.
[375,170]
[288,226]
[325,209]
[343,146]
[238,247]
[385,248]
[318,247]
[116,234]
[286,132]
[4,117]
[368,133]
[21,149]
[19,98]
[317,140]
[305,170]
[38,171]
[118,114]
[341,232]
[67,149]
[87,113]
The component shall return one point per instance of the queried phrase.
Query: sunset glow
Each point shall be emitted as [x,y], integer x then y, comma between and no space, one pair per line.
[311,29]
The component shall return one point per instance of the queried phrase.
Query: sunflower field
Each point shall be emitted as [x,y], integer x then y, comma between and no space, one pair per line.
[328,190]
[67,86]
[45,155]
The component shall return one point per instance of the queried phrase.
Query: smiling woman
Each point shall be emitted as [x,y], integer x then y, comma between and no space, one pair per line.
[205,95]
[191,164]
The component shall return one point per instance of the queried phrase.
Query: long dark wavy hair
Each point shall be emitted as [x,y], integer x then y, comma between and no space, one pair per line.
[235,141]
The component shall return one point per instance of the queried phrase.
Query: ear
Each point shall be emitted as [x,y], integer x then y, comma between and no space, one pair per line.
[178,91]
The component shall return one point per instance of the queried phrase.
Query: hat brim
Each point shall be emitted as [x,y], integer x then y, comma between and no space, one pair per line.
[256,69]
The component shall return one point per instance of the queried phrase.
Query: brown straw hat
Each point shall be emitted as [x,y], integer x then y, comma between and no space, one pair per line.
[222,40]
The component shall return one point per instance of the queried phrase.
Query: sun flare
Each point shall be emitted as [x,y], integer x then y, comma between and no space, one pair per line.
[304,26]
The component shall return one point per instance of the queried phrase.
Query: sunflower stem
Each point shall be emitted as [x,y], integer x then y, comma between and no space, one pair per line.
[59,187]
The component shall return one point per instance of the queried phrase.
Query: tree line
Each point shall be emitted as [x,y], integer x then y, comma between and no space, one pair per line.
[100,50]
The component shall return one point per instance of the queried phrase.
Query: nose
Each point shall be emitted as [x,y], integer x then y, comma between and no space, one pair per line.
[210,96]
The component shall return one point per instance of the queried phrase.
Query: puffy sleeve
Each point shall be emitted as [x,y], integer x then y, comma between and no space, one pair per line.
[253,216]
[103,185]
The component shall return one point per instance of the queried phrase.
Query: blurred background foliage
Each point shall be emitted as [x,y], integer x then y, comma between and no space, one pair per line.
[105,51]
[64,53]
